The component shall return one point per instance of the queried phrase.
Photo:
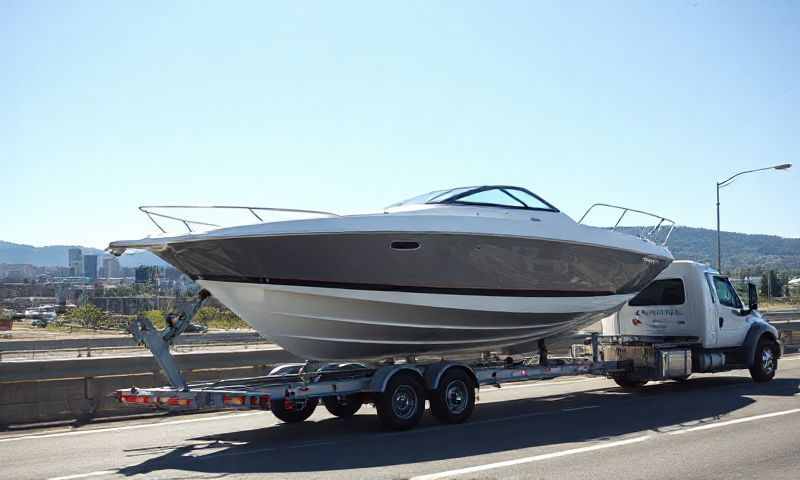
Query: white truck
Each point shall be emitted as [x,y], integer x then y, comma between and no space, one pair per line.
[690,319]
[698,310]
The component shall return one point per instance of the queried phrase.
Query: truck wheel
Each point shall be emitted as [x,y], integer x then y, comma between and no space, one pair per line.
[454,400]
[301,411]
[624,380]
[344,407]
[765,363]
[401,405]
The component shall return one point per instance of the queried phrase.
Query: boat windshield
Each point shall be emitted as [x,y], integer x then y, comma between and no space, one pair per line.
[490,196]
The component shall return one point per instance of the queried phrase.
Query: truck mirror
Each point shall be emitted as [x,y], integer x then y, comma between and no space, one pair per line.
[752,297]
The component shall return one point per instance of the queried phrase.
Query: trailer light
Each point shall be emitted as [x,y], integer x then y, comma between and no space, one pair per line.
[140,399]
[233,400]
[175,401]
[263,402]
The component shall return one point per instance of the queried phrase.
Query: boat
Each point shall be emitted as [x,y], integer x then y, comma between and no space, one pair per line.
[489,268]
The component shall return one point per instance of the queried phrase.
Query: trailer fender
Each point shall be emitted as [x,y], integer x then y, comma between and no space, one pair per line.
[754,335]
[382,376]
[434,373]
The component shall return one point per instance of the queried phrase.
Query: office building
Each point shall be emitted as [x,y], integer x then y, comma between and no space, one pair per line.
[75,262]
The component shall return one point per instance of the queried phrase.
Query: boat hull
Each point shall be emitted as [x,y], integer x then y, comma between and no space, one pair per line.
[339,324]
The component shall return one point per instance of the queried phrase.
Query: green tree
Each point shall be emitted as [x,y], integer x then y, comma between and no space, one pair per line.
[156,317]
[88,316]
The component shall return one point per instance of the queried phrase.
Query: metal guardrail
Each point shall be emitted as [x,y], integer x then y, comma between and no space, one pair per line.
[647,233]
[147,210]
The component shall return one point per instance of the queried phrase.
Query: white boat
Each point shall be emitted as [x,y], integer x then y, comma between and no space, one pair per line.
[472,269]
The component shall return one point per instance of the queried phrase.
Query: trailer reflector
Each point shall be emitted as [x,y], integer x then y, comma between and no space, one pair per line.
[233,400]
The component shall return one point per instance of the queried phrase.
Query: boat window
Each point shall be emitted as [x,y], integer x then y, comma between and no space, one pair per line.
[530,200]
[661,292]
[726,293]
[494,196]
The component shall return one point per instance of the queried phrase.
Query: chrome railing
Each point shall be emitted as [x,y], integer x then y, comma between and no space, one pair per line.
[647,232]
[148,210]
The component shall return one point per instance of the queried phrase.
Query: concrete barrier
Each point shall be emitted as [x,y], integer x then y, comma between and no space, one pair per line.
[127,341]
[50,390]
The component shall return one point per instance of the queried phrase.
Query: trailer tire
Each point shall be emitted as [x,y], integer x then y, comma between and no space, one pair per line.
[401,405]
[626,381]
[295,415]
[765,363]
[345,407]
[454,400]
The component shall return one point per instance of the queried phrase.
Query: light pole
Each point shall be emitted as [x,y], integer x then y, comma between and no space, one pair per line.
[727,182]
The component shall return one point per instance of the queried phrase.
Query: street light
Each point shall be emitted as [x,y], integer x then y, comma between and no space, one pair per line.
[727,182]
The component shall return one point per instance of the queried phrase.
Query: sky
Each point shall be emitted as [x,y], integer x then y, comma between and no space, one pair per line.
[351,106]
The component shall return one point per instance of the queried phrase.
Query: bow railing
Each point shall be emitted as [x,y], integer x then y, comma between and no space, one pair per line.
[650,233]
[187,223]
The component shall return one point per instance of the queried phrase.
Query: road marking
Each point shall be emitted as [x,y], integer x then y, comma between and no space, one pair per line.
[86,475]
[735,421]
[126,427]
[580,408]
[535,458]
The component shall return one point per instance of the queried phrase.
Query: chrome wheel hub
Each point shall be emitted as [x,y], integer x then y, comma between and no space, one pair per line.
[768,360]
[404,402]
[456,395]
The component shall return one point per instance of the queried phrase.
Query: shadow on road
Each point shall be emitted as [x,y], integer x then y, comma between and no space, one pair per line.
[335,444]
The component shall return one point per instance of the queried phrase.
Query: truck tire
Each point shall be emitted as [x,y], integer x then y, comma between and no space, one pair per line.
[454,400]
[344,407]
[402,404]
[301,411]
[765,363]
[626,381]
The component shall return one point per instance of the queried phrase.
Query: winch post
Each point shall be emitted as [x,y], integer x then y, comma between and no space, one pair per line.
[158,342]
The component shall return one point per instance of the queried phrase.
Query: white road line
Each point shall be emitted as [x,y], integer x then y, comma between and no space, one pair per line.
[535,458]
[735,421]
[579,408]
[126,427]
[86,475]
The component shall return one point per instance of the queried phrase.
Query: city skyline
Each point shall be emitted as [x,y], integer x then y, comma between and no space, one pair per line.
[351,108]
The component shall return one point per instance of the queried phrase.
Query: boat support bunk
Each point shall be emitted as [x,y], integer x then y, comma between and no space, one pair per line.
[399,390]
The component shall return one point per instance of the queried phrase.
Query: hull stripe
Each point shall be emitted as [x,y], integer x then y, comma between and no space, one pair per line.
[489,292]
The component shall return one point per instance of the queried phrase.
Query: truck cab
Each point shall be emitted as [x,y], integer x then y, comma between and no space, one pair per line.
[694,305]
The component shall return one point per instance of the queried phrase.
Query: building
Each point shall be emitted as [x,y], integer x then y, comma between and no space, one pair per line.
[111,267]
[146,274]
[90,267]
[75,262]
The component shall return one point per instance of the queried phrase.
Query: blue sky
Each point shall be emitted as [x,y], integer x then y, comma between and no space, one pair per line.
[350,106]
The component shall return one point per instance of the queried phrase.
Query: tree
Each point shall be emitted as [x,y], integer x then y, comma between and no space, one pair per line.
[88,316]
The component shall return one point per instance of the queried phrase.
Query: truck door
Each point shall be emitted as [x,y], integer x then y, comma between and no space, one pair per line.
[731,322]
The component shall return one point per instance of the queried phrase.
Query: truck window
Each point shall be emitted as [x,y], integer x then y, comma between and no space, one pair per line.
[661,292]
[726,294]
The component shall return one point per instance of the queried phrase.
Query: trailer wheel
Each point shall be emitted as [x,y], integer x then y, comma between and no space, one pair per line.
[345,407]
[301,411]
[401,405]
[454,400]
[765,363]
[625,380]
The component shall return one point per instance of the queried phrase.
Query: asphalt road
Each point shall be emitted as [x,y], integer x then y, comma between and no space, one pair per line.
[714,426]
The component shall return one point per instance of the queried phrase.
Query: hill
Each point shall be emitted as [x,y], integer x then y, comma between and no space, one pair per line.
[740,251]
[56,255]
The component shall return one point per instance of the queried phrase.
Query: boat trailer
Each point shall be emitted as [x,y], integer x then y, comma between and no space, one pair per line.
[399,390]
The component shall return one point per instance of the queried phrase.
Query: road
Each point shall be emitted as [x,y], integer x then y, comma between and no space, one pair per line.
[714,426]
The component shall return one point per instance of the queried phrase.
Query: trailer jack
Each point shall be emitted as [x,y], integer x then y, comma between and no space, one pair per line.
[158,342]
